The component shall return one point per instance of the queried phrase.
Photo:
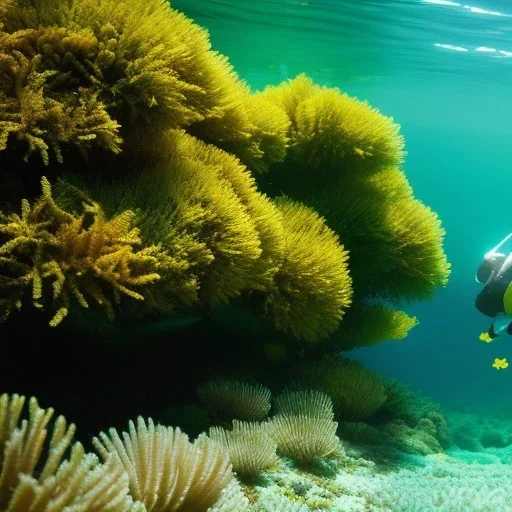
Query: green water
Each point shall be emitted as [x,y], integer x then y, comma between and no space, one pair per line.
[340,42]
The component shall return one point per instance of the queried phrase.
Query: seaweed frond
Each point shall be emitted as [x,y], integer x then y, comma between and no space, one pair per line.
[83,257]
[45,123]
[312,289]
[89,73]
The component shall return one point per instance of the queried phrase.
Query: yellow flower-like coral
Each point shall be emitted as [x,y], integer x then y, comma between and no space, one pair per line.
[484,336]
[500,364]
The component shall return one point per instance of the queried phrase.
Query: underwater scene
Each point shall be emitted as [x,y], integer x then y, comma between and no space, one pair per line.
[255,256]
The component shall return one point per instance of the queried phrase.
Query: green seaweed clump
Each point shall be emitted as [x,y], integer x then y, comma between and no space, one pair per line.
[357,393]
[344,160]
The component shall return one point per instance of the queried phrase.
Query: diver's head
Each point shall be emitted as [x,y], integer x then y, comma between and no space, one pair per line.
[489,267]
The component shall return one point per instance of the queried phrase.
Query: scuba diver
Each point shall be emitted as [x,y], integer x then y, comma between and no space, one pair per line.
[495,298]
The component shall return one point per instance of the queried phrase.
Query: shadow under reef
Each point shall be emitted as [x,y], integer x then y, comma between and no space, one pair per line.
[98,381]
[105,378]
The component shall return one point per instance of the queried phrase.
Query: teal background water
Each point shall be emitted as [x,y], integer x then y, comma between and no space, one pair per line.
[443,71]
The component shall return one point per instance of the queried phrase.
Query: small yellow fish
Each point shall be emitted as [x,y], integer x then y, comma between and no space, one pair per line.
[500,364]
[484,336]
